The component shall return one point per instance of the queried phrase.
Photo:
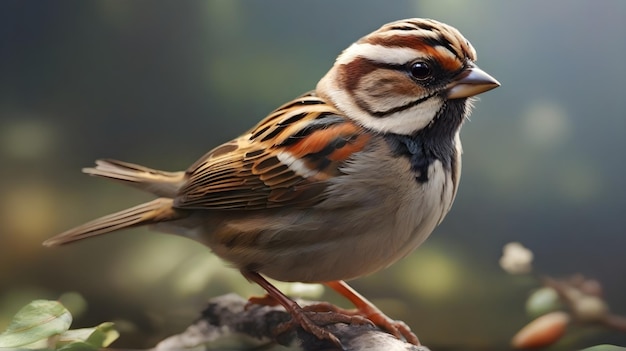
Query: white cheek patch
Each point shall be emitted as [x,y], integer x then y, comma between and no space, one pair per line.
[404,122]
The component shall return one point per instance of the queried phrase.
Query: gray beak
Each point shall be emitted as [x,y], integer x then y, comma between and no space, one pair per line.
[470,82]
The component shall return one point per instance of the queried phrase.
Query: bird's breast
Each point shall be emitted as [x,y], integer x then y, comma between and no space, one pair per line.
[373,214]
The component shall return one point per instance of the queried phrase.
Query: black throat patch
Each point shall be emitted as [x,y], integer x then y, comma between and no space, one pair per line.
[434,142]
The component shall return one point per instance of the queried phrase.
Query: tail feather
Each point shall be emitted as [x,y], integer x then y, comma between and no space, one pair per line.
[157,182]
[159,210]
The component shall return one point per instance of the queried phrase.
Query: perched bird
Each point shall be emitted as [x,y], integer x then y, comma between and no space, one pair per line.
[336,184]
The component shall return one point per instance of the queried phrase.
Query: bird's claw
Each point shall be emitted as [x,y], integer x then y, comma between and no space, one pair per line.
[314,317]
[399,329]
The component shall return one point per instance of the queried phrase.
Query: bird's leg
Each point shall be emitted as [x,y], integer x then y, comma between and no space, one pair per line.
[308,320]
[367,309]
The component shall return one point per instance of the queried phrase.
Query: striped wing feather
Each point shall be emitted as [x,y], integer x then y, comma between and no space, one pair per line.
[283,161]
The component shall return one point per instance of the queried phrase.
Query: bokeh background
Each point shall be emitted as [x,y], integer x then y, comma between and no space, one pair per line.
[159,83]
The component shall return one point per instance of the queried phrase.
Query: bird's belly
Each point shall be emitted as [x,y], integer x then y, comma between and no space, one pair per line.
[331,241]
[303,247]
[343,260]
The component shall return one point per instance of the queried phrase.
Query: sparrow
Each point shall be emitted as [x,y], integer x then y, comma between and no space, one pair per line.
[336,184]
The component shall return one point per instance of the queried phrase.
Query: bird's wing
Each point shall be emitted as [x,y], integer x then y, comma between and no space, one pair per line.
[285,160]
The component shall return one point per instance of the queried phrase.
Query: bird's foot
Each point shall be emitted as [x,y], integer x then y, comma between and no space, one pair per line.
[370,316]
[313,321]
[312,318]
[366,309]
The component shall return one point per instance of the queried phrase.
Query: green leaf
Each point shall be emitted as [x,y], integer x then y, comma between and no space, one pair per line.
[78,346]
[104,335]
[36,321]
[100,336]
[605,348]
[74,335]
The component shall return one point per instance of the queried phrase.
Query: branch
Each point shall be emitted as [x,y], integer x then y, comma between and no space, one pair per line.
[226,325]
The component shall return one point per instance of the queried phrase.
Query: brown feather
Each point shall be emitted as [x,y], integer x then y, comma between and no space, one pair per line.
[157,182]
[249,173]
[159,210]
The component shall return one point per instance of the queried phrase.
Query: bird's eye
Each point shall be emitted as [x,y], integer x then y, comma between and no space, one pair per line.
[421,70]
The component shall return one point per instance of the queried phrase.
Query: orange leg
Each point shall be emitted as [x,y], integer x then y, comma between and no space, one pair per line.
[367,309]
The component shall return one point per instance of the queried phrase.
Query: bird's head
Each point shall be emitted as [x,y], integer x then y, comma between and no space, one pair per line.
[400,78]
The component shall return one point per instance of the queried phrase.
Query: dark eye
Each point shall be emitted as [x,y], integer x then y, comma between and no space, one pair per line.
[420,70]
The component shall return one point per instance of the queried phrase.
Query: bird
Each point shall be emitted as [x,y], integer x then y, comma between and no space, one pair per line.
[336,184]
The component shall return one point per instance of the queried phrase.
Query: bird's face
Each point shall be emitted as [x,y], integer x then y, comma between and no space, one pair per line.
[399,78]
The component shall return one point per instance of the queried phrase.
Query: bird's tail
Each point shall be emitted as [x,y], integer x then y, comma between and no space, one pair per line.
[159,210]
[160,183]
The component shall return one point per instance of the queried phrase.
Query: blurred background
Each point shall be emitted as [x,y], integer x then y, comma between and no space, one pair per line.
[159,83]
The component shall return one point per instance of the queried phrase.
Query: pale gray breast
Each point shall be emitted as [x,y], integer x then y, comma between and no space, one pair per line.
[374,214]
[386,207]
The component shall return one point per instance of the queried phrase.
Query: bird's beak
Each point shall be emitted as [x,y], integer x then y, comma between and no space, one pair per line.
[470,82]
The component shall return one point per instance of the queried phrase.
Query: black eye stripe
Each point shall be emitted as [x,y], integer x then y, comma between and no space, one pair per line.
[406,67]
[391,66]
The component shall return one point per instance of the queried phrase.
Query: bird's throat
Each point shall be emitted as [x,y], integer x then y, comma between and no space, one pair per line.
[436,142]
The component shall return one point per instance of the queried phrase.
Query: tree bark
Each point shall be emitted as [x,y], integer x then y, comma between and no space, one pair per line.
[226,325]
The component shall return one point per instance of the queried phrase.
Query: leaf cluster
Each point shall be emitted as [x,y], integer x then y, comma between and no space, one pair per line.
[45,324]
